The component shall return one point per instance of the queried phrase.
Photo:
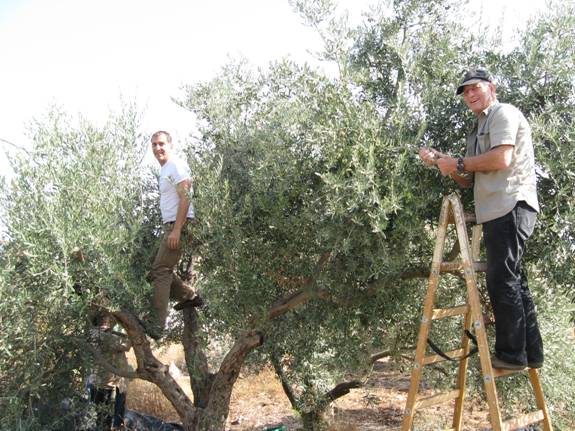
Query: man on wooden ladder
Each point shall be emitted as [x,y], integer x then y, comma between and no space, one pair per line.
[499,163]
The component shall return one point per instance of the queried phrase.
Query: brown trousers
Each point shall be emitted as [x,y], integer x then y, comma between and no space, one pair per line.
[167,285]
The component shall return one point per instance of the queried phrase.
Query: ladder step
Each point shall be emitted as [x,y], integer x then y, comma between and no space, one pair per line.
[437,399]
[433,359]
[458,266]
[500,372]
[441,313]
[468,217]
[524,420]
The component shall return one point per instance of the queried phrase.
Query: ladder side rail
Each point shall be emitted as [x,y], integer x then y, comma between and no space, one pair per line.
[462,374]
[540,399]
[476,234]
[427,317]
[477,316]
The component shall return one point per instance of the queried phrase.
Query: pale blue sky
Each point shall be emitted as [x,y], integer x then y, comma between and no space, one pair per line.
[7,8]
[84,54]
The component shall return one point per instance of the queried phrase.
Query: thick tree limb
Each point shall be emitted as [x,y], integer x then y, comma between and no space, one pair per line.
[342,389]
[217,409]
[196,360]
[379,355]
[415,272]
[151,369]
[288,390]
[338,391]
[294,300]
[300,297]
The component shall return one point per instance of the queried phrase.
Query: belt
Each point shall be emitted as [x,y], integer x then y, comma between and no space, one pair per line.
[169,223]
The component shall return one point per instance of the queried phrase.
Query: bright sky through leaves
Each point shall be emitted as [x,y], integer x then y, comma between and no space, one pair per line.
[85,55]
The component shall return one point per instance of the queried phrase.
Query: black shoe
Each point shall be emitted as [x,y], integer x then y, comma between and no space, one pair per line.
[196,301]
[502,365]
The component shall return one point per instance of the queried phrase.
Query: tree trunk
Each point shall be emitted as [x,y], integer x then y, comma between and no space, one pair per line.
[196,360]
[152,370]
[212,391]
[314,421]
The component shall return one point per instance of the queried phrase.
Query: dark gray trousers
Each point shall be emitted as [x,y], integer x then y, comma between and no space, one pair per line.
[518,339]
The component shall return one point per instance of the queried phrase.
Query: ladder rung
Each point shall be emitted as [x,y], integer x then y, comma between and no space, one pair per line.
[458,266]
[432,359]
[440,313]
[468,217]
[500,372]
[437,399]
[523,420]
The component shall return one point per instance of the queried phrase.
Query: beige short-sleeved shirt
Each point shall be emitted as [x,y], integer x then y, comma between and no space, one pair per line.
[497,192]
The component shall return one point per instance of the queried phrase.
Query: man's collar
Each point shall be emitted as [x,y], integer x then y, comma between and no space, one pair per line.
[487,110]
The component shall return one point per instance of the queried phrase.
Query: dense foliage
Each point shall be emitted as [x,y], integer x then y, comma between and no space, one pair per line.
[317,182]
[74,213]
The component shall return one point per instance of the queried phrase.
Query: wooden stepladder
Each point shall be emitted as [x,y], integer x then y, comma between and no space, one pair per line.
[452,213]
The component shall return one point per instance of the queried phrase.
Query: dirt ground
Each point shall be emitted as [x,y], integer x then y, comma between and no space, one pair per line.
[258,404]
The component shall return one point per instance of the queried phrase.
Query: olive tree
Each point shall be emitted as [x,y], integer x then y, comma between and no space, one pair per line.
[318,193]
[315,217]
[73,213]
[316,182]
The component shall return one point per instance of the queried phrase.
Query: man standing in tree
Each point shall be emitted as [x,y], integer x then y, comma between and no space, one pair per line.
[176,209]
[500,165]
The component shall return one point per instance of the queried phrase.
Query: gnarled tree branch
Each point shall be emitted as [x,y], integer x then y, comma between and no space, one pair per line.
[217,408]
[196,359]
[283,379]
[151,369]
[342,389]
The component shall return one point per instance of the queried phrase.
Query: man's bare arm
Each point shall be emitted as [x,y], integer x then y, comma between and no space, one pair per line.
[498,158]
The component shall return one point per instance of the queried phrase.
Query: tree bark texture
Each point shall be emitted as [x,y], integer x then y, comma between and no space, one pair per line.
[151,369]
[196,360]
[213,416]
[212,391]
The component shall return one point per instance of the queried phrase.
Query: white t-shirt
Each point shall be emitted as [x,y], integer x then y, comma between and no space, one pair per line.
[173,172]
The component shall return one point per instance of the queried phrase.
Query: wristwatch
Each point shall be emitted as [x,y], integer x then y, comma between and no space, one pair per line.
[460,165]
